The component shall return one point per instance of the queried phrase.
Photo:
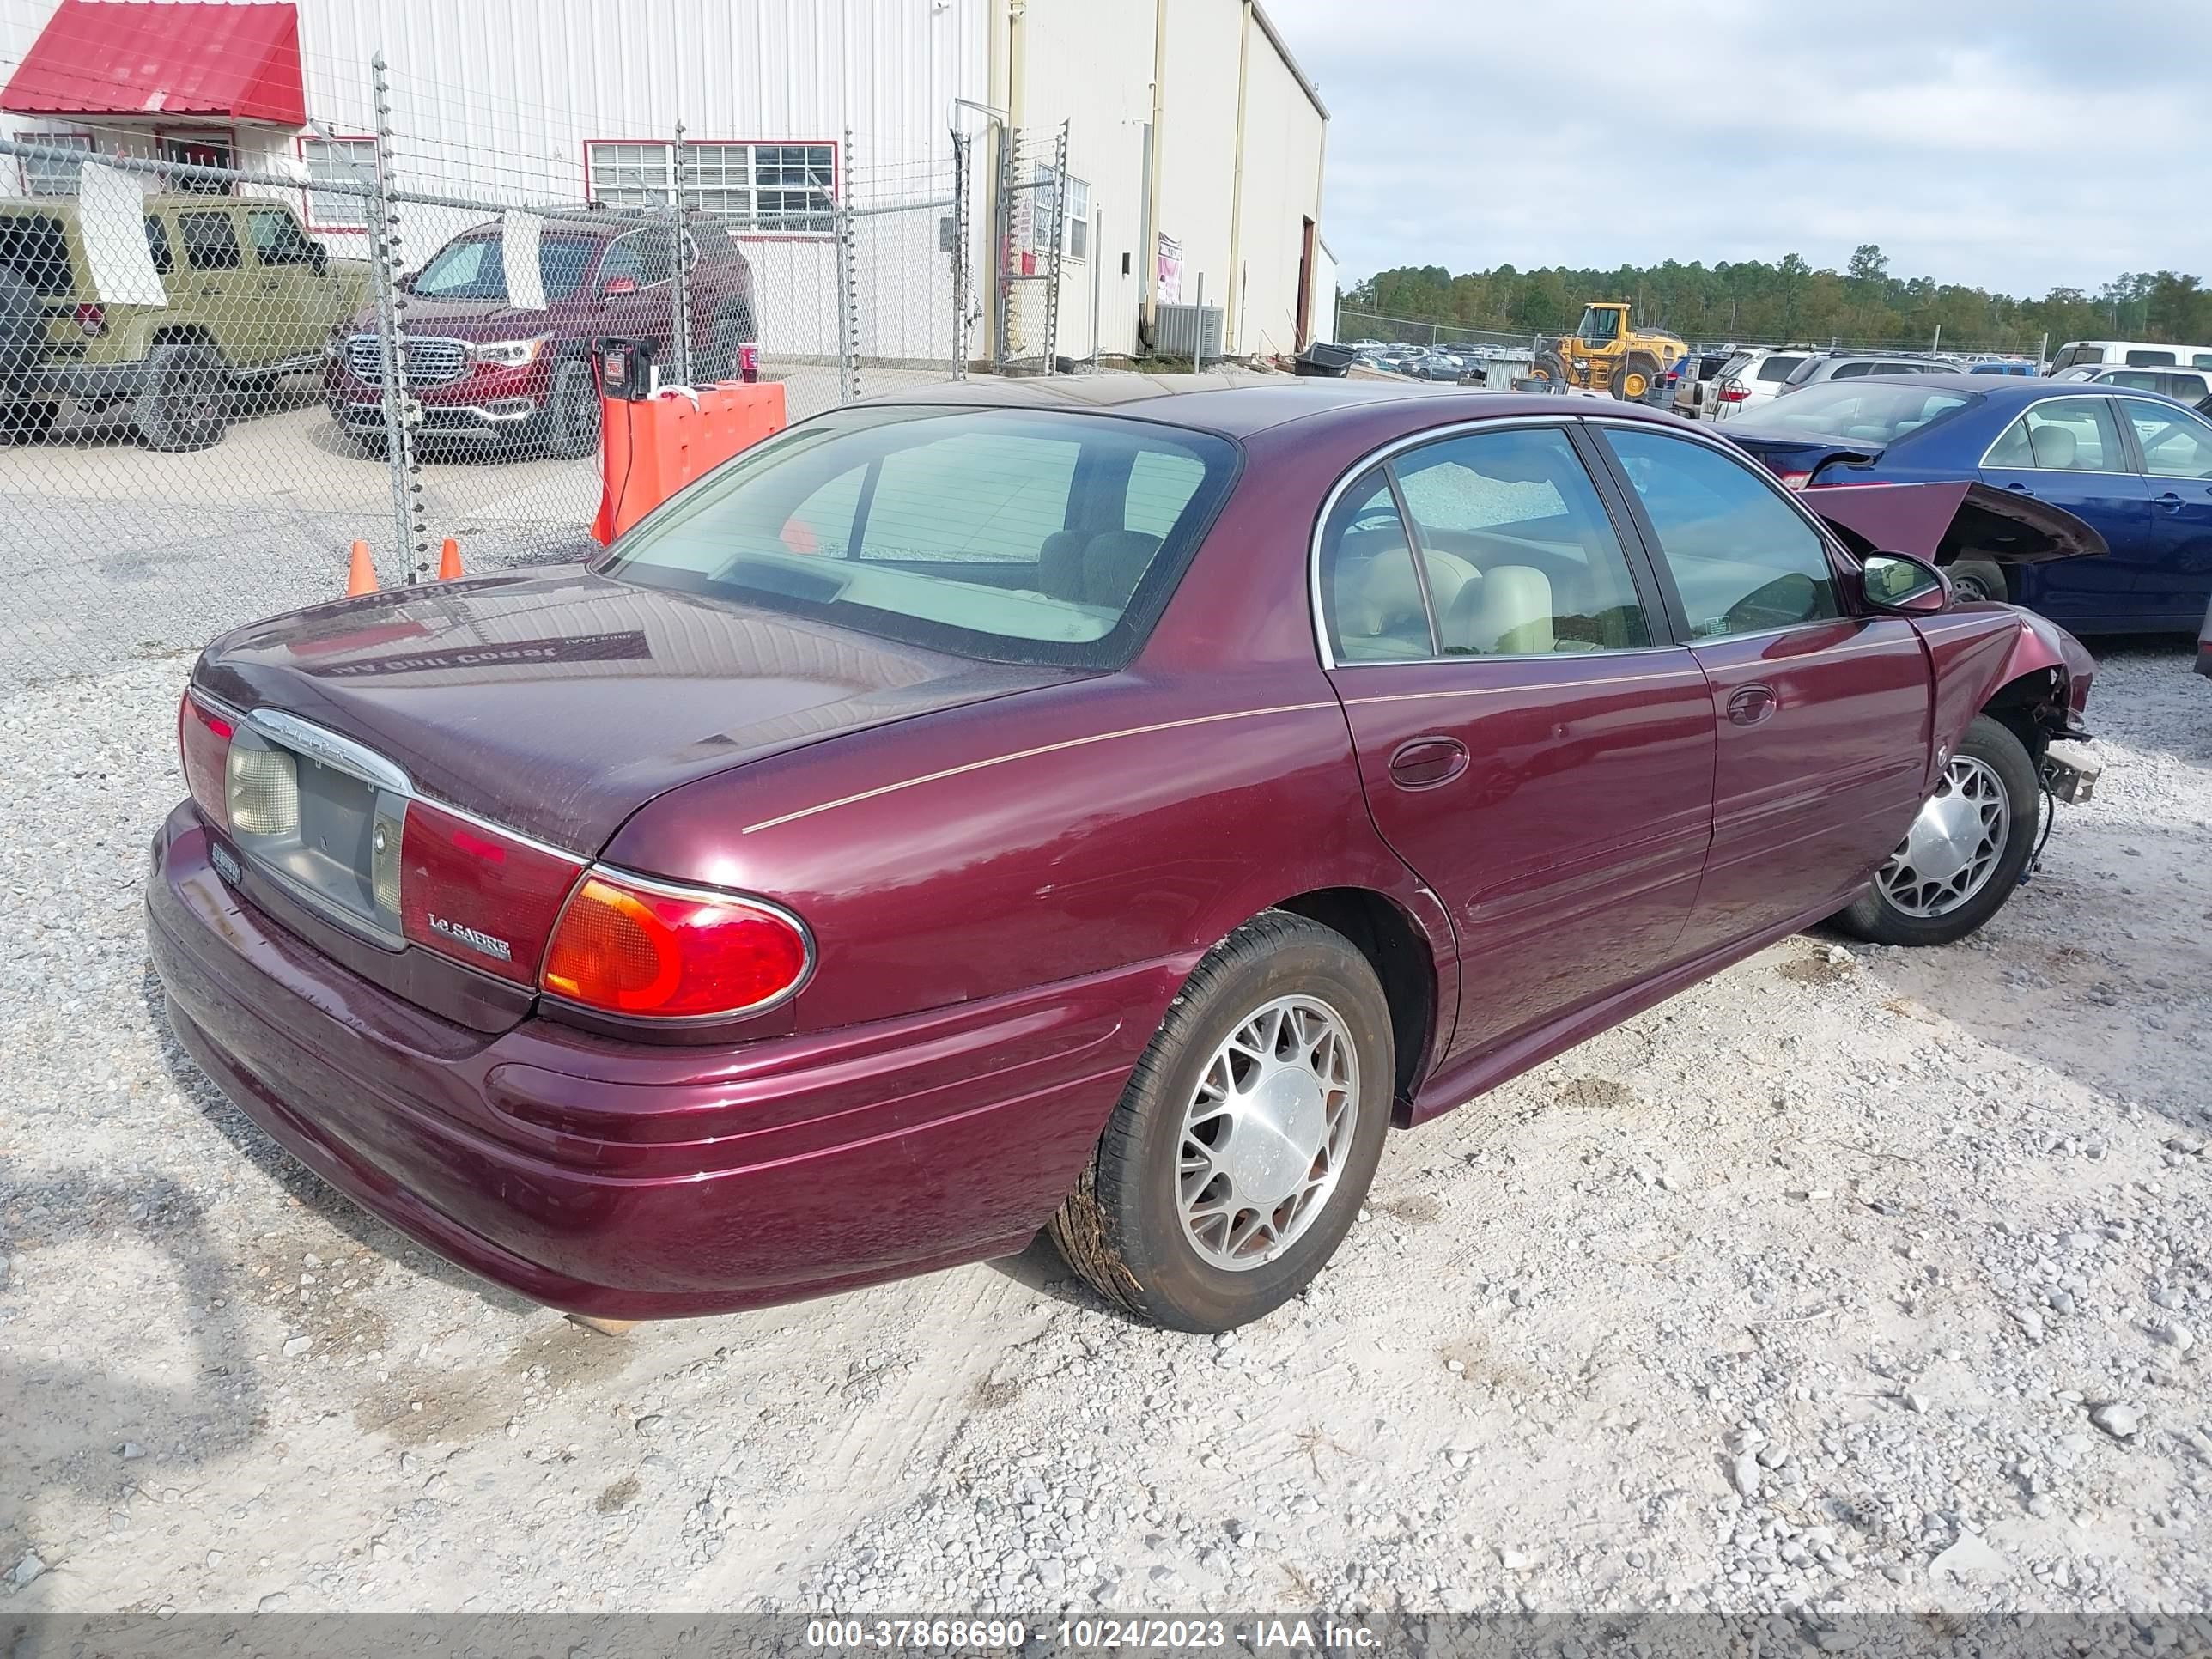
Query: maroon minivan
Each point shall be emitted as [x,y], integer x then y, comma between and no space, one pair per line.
[489,372]
[1059,803]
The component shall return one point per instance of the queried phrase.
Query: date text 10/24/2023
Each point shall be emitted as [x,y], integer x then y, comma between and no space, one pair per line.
[1102,1633]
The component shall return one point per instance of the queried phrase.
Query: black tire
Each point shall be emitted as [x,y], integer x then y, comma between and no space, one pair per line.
[1550,366]
[1122,1228]
[1977,579]
[1989,743]
[1639,373]
[186,405]
[572,411]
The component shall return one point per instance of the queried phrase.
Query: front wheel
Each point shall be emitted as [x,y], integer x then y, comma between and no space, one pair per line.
[572,411]
[1239,1153]
[1963,856]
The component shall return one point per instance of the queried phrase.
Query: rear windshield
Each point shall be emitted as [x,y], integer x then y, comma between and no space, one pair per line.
[35,247]
[475,268]
[1776,368]
[1008,535]
[1858,411]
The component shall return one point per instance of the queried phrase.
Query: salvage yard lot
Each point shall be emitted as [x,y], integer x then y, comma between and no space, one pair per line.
[1800,1290]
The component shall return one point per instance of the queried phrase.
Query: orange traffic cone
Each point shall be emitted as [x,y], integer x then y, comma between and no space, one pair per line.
[362,578]
[449,560]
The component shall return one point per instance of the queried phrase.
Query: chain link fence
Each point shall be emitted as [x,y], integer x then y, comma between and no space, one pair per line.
[217,374]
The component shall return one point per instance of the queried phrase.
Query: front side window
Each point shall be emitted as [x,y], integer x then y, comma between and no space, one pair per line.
[1004,535]
[475,267]
[276,238]
[1600,327]
[1743,560]
[1521,557]
[2063,434]
[2175,443]
[210,240]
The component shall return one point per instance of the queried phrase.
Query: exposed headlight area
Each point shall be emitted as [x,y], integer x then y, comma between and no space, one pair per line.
[508,354]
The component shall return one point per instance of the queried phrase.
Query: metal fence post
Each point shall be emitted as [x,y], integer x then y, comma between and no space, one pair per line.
[678,249]
[410,529]
[962,269]
[849,291]
[1059,246]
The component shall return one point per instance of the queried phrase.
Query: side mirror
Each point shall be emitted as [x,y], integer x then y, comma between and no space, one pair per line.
[1902,586]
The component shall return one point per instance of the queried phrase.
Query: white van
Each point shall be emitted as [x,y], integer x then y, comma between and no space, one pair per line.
[2129,354]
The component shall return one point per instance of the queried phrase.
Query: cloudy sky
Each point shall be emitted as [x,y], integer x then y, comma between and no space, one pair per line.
[1974,141]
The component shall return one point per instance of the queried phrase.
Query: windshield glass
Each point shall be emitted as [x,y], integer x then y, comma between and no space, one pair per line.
[1859,411]
[475,268]
[1010,535]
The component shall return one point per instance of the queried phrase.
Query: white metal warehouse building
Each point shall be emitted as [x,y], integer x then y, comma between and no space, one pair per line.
[1195,144]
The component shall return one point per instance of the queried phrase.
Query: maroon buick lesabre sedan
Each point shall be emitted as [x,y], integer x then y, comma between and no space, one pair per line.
[1053,805]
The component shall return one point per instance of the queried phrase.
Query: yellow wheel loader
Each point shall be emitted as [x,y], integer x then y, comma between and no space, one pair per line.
[1605,353]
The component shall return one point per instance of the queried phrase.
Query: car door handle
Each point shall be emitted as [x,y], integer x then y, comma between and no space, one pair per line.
[2019,488]
[2170,501]
[1425,763]
[1748,705]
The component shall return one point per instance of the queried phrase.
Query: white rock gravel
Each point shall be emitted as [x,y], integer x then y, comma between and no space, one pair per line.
[1817,1289]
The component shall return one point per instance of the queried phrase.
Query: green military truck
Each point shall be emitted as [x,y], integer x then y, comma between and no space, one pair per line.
[250,297]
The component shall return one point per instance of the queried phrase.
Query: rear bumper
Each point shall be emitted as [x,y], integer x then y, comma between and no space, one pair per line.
[634,1180]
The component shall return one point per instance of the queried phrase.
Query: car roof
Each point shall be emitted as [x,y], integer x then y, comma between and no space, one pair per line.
[1233,407]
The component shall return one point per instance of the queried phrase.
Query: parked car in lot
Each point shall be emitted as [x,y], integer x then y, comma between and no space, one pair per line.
[2129,354]
[1755,375]
[2021,365]
[2191,385]
[1125,806]
[2137,468]
[488,372]
[1825,366]
[247,297]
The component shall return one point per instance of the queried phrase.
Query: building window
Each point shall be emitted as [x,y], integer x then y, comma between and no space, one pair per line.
[53,175]
[1045,203]
[771,187]
[339,160]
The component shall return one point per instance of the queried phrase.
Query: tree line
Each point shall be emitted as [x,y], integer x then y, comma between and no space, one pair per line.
[1861,305]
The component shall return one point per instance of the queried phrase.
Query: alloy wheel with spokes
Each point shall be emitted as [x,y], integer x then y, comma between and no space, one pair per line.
[1949,853]
[1265,1134]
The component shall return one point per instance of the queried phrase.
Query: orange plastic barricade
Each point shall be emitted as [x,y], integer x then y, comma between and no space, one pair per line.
[652,448]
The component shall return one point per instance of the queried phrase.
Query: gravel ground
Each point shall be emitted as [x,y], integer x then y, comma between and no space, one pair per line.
[1851,1280]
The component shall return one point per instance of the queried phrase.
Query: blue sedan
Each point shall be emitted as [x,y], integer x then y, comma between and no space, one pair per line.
[2136,467]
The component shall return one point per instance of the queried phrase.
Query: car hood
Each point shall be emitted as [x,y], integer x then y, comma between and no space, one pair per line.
[1951,521]
[467,320]
[558,701]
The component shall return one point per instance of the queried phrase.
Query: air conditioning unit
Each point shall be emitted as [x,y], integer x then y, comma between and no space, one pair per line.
[1187,331]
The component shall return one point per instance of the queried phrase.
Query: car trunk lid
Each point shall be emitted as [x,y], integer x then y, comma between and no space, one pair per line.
[434,767]
[1945,521]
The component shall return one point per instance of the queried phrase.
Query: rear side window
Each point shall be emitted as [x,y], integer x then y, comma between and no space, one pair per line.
[1742,561]
[2175,444]
[1852,372]
[2062,434]
[2134,380]
[1008,535]
[157,244]
[1776,368]
[210,240]
[2140,359]
[1370,598]
[35,247]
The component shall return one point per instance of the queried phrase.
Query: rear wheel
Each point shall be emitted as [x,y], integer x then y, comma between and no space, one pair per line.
[27,423]
[1550,366]
[1238,1156]
[187,401]
[1963,856]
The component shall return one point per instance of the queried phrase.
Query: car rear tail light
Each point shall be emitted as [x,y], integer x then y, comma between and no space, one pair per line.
[204,744]
[627,946]
[91,321]
[262,792]
[1734,394]
[469,892]
[1795,480]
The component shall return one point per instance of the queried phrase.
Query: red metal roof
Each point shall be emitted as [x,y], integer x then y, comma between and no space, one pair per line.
[191,57]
